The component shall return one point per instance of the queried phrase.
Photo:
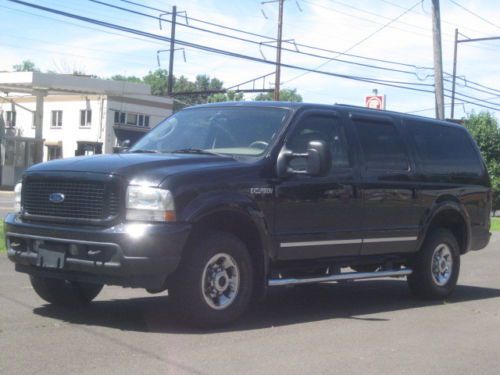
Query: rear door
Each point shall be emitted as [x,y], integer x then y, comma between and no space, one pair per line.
[390,212]
[318,217]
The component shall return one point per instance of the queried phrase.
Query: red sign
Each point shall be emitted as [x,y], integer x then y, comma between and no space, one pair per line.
[374,101]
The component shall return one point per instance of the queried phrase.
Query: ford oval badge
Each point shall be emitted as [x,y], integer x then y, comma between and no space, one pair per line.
[56,197]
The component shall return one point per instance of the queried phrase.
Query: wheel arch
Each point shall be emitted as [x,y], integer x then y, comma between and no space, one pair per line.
[241,217]
[449,213]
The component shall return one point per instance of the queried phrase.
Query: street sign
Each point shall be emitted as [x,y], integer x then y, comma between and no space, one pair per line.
[375,101]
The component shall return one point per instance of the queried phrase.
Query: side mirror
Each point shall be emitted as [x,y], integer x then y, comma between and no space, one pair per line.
[318,156]
[124,146]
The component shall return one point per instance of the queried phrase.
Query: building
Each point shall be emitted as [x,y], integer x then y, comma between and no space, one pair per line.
[77,115]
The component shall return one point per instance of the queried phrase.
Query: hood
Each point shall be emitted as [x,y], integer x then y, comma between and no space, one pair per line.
[153,168]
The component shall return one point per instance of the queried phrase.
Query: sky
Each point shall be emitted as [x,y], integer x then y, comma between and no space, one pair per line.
[391,30]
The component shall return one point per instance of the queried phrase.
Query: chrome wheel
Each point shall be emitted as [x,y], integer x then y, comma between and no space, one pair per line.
[220,281]
[442,264]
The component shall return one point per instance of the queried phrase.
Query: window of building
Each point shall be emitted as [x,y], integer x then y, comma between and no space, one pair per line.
[123,118]
[117,117]
[56,120]
[85,117]
[146,121]
[132,119]
[54,152]
[382,146]
[10,119]
[140,121]
[320,128]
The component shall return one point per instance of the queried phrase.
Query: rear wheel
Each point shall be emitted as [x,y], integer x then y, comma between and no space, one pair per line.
[213,286]
[436,266]
[64,292]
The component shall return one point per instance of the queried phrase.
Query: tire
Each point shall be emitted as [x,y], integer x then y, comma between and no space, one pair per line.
[63,292]
[436,266]
[214,284]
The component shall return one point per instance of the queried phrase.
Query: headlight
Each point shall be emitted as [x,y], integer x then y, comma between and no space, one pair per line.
[149,204]
[17,197]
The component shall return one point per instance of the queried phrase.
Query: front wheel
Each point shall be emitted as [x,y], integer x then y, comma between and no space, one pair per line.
[436,266]
[213,286]
[64,292]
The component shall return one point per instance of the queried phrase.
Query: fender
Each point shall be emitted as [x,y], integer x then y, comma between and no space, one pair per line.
[441,204]
[216,202]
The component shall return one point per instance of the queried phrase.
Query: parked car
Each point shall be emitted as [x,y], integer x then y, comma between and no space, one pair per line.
[221,202]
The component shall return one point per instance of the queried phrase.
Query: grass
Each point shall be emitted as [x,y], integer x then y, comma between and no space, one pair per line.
[495,224]
[2,240]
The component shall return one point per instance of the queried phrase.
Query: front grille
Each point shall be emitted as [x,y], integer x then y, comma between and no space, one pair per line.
[83,200]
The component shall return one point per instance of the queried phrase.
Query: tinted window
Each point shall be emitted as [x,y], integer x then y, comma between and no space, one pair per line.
[320,128]
[443,149]
[382,146]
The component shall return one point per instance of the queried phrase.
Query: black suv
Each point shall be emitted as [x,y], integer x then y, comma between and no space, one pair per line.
[220,202]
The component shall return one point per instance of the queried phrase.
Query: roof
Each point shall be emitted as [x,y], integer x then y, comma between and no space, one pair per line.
[297,105]
[54,84]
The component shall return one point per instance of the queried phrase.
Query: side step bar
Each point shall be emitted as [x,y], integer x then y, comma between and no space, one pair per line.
[340,277]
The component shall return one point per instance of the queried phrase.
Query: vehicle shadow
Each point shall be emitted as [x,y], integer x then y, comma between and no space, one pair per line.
[287,306]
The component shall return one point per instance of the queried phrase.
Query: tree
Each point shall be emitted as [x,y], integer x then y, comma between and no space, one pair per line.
[26,66]
[133,79]
[286,95]
[158,81]
[484,129]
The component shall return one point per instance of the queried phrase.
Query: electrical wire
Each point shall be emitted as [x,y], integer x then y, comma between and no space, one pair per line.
[359,42]
[392,83]
[329,59]
[274,39]
[475,14]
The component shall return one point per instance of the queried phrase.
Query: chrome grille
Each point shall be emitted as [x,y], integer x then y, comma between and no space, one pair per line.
[82,199]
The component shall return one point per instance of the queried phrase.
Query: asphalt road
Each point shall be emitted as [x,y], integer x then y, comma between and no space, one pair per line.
[373,327]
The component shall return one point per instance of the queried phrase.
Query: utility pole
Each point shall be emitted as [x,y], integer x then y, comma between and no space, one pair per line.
[277,82]
[455,51]
[454,75]
[438,60]
[170,86]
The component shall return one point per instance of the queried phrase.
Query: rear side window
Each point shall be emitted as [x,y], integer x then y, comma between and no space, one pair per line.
[382,146]
[443,149]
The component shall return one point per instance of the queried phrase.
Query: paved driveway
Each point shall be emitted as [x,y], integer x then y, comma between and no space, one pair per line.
[372,327]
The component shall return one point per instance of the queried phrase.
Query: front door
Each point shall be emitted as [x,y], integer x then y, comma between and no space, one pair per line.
[318,217]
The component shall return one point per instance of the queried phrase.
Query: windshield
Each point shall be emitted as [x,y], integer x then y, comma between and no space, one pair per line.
[229,130]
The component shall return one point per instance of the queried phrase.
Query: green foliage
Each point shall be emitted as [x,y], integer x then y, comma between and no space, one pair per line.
[133,79]
[484,129]
[495,224]
[286,95]
[158,81]
[26,66]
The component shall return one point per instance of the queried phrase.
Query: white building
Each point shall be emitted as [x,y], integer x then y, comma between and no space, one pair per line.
[78,116]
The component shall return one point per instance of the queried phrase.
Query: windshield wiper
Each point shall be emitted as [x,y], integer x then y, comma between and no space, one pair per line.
[194,151]
[144,152]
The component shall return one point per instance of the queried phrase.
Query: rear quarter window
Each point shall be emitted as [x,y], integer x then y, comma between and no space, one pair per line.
[444,149]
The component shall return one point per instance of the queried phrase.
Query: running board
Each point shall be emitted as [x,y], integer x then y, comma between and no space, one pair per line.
[340,277]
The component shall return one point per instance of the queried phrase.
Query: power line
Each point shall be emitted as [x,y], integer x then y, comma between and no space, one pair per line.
[274,39]
[397,84]
[392,83]
[329,59]
[359,42]
[80,26]
[474,14]
[310,47]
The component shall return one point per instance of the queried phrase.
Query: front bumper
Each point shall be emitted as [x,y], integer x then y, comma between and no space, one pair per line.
[134,255]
